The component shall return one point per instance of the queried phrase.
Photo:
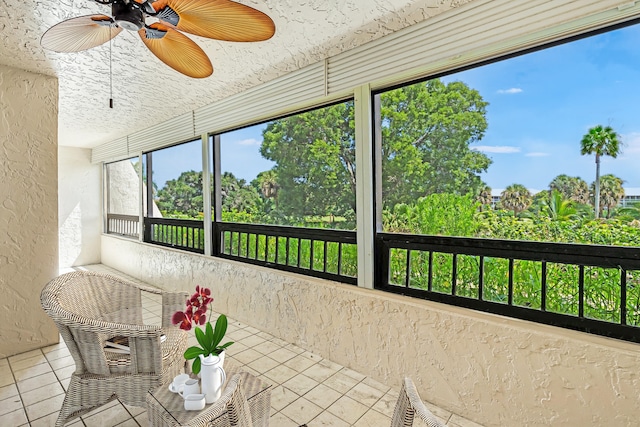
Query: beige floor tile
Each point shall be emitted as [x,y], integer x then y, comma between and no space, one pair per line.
[109,417]
[6,377]
[327,419]
[65,383]
[319,372]
[248,356]
[267,347]
[57,354]
[458,421]
[348,409]
[365,394]
[8,391]
[263,364]
[323,396]
[10,404]
[331,365]
[280,374]
[46,421]
[104,407]
[252,341]
[4,362]
[294,348]
[236,348]
[302,411]
[45,407]
[31,372]
[25,355]
[373,419]
[129,423]
[64,373]
[300,384]
[312,356]
[281,420]
[267,336]
[142,419]
[238,335]
[60,345]
[438,411]
[63,362]
[282,355]
[15,418]
[37,381]
[353,374]
[252,330]
[21,364]
[299,363]
[281,397]
[41,393]
[134,410]
[376,384]
[340,382]
[386,404]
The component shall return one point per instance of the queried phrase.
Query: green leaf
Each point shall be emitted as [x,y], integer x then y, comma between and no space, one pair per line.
[200,336]
[195,367]
[209,334]
[193,352]
[225,345]
[221,329]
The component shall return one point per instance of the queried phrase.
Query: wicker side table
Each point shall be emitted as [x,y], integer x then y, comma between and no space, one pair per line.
[165,408]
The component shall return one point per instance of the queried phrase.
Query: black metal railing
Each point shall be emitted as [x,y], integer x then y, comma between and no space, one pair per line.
[183,234]
[589,288]
[324,253]
[124,225]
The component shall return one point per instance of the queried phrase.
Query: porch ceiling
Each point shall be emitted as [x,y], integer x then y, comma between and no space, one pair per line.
[146,92]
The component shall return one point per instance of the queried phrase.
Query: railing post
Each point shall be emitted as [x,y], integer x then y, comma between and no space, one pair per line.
[365,188]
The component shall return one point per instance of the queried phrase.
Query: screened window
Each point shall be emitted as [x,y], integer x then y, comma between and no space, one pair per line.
[123,197]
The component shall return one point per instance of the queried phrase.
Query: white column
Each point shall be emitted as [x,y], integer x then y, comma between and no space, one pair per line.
[206,192]
[365,188]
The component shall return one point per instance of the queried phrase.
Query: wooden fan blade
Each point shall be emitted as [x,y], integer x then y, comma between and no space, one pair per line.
[216,19]
[81,33]
[176,50]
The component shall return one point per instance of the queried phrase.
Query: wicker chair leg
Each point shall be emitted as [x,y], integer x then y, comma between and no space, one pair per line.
[75,402]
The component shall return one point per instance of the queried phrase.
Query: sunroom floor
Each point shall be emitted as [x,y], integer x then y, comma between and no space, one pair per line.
[306,388]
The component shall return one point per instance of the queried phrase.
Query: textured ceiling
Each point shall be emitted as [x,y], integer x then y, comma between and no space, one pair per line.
[146,92]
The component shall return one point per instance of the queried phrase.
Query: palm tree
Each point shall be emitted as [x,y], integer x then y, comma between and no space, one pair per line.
[601,141]
[559,208]
[571,187]
[516,197]
[268,182]
[484,197]
[611,192]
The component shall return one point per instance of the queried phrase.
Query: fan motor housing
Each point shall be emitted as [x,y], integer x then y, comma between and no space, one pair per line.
[127,16]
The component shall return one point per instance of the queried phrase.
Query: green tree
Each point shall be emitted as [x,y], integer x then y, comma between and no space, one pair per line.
[516,197]
[238,195]
[315,156]
[427,129]
[611,192]
[484,197]
[601,141]
[559,208]
[267,182]
[571,187]
[182,196]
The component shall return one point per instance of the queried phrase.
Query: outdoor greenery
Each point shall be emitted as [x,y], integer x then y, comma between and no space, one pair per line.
[431,185]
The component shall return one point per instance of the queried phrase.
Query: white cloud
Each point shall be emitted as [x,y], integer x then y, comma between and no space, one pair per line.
[500,149]
[510,91]
[250,141]
[537,154]
[630,143]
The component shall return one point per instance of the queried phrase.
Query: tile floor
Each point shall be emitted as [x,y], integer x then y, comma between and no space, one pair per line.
[306,388]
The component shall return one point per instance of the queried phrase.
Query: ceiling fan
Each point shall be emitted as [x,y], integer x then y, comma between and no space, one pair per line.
[216,19]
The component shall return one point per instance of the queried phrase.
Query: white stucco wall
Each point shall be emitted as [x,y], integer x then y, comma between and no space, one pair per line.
[493,370]
[28,207]
[124,192]
[79,207]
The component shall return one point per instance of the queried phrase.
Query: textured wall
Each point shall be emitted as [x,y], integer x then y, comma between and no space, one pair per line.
[29,210]
[79,207]
[494,370]
[124,191]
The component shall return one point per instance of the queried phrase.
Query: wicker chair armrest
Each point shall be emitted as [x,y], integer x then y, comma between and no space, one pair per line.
[419,407]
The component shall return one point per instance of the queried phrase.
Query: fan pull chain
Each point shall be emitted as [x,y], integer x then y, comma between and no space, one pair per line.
[110,71]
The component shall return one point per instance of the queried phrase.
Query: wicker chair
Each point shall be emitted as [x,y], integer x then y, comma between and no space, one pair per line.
[89,308]
[408,405]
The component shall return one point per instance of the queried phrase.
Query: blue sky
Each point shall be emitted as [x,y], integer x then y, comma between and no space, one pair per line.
[540,106]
